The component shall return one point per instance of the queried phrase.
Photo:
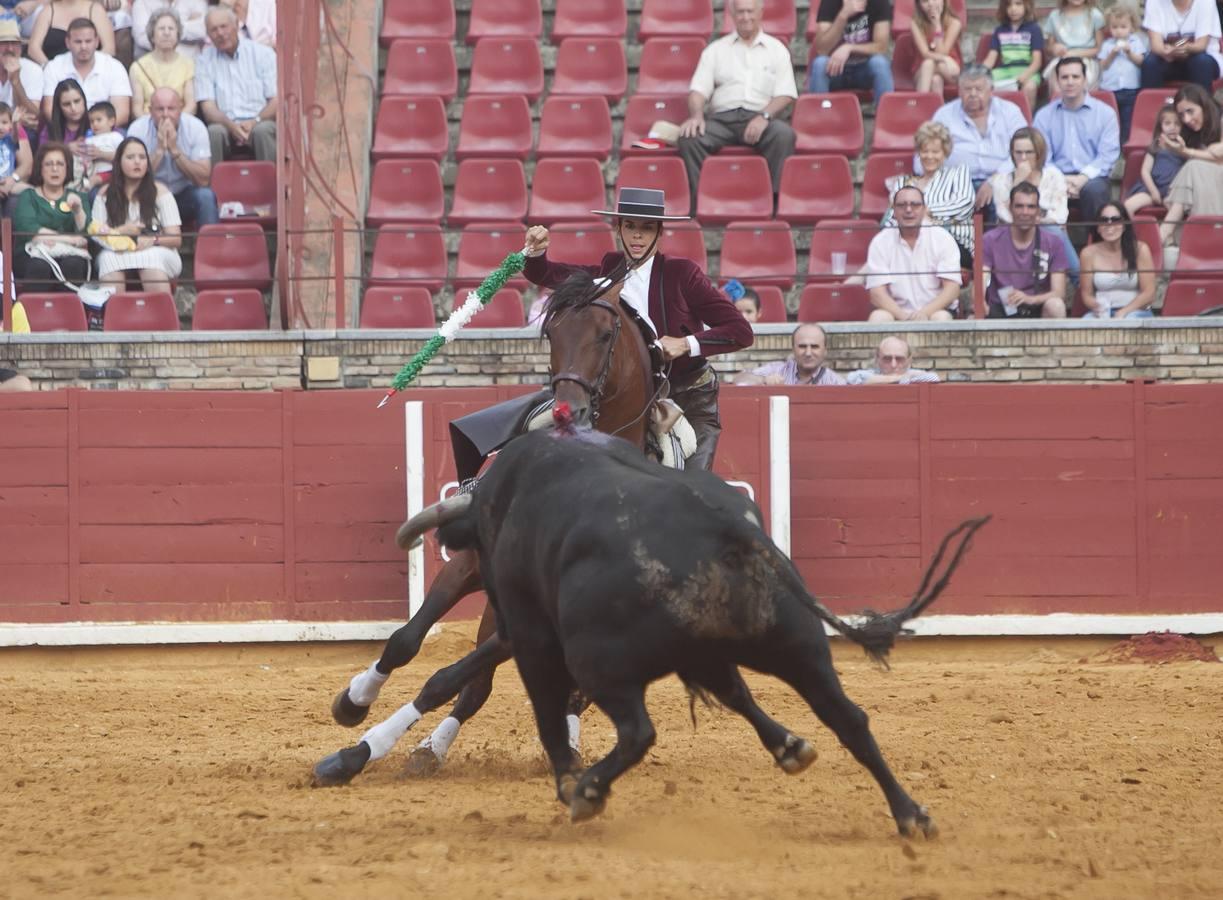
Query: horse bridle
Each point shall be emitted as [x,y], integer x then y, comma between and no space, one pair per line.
[595,390]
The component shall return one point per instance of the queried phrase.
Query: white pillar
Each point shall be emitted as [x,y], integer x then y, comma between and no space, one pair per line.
[779,472]
[414,468]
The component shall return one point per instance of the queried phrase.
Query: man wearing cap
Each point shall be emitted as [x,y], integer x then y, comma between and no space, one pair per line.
[20,78]
[673,296]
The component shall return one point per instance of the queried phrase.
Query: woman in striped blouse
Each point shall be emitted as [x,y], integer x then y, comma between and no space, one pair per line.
[950,198]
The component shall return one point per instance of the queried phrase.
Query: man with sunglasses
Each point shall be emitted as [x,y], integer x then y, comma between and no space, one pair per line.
[1025,267]
[892,366]
[914,268]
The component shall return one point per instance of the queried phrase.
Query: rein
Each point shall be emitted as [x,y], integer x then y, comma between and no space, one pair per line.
[595,390]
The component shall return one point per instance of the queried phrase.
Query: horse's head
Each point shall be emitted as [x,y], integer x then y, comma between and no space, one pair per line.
[582,324]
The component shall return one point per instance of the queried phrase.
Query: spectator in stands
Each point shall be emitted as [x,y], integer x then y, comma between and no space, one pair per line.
[120,14]
[20,78]
[1118,269]
[1160,164]
[851,47]
[235,86]
[1016,49]
[50,36]
[99,148]
[12,381]
[135,205]
[180,155]
[190,15]
[257,19]
[1184,37]
[1074,30]
[1121,57]
[804,366]
[745,299]
[69,124]
[1198,186]
[981,126]
[165,67]
[947,190]
[99,74]
[16,160]
[1025,267]
[747,79]
[51,217]
[24,13]
[913,271]
[893,365]
[936,34]
[1083,137]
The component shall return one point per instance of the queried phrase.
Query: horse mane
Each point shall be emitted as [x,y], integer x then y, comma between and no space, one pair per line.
[579,290]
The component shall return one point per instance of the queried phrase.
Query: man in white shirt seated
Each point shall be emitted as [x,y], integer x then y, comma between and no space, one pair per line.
[20,78]
[100,75]
[235,86]
[913,270]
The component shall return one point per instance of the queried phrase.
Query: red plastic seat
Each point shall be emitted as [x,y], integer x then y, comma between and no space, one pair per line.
[898,115]
[1133,170]
[142,311]
[1190,298]
[505,310]
[229,256]
[772,303]
[667,65]
[660,173]
[834,303]
[1146,228]
[251,183]
[983,43]
[685,240]
[575,126]
[410,126]
[733,188]
[815,188]
[676,18]
[780,19]
[413,254]
[505,18]
[1150,101]
[589,66]
[397,307]
[421,67]
[880,167]
[489,190]
[416,19]
[581,243]
[1018,98]
[54,312]
[1201,249]
[829,123]
[849,236]
[229,311]
[507,65]
[495,125]
[566,189]
[642,111]
[589,18]
[904,62]
[481,250]
[1107,98]
[759,253]
[405,190]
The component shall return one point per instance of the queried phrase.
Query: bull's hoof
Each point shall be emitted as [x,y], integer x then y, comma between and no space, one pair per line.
[342,766]
[566,788]
[796,756]
[422,763]
[586,805]
[919,822]
[347,713]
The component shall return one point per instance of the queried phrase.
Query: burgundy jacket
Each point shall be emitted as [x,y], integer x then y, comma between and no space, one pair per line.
[683,301]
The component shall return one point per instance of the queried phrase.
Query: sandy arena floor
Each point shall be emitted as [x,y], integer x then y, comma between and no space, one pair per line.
[184,772]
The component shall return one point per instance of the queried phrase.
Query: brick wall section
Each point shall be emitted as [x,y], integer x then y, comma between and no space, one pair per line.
[1164,350]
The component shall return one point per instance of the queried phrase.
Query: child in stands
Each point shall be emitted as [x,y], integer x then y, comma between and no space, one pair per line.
[101,144]
[1121,62]
[1075,28]
[14,150]
[936,34]
[1159,165]
[1016,49]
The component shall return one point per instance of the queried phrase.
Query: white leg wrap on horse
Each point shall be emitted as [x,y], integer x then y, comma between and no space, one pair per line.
[383,736]
[364,687]
[443,736]
[575,732]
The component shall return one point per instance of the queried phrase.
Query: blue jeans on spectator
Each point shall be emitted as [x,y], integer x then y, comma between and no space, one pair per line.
[1200,68]
[1126,98]
[199,204]
[875,73]
[1073,268]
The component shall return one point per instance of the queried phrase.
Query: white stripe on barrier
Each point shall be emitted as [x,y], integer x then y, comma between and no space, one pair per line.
[414,470]
[779,472]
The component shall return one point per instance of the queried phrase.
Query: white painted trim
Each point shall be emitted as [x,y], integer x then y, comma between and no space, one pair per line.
[414,469]
[779,472]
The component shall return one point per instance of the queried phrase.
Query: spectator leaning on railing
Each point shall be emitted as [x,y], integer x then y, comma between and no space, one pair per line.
[804,366]
[893,365]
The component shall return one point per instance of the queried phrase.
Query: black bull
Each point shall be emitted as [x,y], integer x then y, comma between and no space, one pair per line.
[608,572]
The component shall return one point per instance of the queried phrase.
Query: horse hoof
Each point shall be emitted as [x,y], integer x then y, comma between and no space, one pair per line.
[347,713]
[342,766]
[920,821]
[422,763]
[797,756]
[566,788]
[582,808]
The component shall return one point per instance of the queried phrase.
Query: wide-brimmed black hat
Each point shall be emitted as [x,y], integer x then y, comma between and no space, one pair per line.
[641,203]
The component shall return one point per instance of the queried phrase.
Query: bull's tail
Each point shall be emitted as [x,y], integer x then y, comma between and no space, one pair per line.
[877,631]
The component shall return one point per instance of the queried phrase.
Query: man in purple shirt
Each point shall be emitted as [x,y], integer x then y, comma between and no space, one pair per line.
[1025,266]
[804,366]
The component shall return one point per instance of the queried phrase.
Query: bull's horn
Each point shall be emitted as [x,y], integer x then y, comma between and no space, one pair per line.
[431,517]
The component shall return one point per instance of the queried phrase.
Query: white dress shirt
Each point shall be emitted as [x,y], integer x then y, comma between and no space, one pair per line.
[636,293]
[733,74]
[107,78]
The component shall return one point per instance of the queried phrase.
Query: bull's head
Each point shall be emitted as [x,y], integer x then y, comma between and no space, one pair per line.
[439,514]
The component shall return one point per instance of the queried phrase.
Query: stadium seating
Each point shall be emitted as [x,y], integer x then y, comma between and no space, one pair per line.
[489,190]
[509,65]
[815,188]
[142,311]
[898,116]
[1018,98]
[505,18]
[780,19]
[1191,298]
[829,123]
[566,189]
[411,126]
[1200,243]
[667,65]
[251,183]
[397,307]
[505,310]
[587,66]
[879,167]
[405,190]
[419,67]
[416,19]
[734,188]
[676,18]
[685,240]
[575,126]
[229,256]
[641,112]
[1150,101]
[54,312]
[849,236]
[772,303]
[589,18]
[834,303]
[413,254]
[495,125]
[759,253]
[660,173]
[904,62]
[1146,228]
[983,42]
[481,250]
[229,311]
[581,243]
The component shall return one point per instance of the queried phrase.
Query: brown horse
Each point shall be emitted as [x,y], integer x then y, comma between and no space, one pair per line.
[601,367]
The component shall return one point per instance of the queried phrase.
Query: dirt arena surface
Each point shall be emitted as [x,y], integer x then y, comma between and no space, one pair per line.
[184,772]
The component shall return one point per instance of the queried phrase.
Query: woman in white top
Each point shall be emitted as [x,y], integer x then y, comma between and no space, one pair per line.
[135,205]
[950,198]
[1118,269]
[1184,38]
